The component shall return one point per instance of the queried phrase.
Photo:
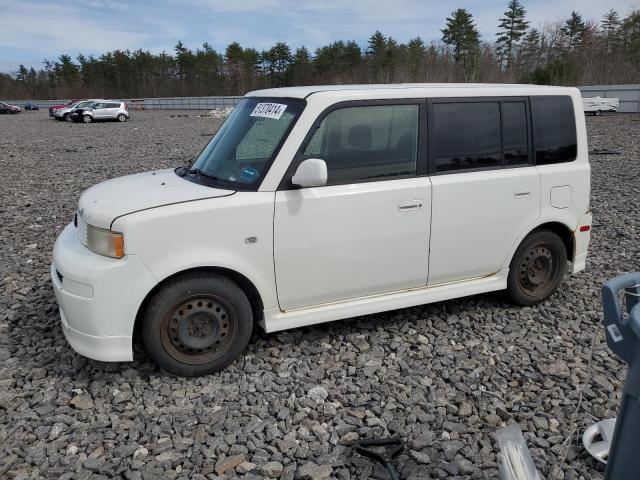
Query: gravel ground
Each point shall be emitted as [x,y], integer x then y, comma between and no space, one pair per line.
[445,376]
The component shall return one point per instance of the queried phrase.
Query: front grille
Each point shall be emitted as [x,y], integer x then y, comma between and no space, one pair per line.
[82,230]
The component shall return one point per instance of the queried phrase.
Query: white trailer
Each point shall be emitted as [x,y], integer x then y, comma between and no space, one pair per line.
[597,105]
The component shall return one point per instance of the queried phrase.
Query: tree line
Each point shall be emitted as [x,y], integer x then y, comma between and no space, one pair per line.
[573,51]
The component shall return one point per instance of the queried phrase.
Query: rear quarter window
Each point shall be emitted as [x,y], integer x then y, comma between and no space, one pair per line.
[554,129]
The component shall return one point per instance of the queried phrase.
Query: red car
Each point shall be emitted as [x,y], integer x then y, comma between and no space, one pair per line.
[63,105]
[6,108]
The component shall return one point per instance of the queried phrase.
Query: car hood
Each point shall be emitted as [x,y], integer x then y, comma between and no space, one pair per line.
[101,204]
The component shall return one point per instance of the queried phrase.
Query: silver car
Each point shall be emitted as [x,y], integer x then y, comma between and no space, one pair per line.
[106,110]
[65,113]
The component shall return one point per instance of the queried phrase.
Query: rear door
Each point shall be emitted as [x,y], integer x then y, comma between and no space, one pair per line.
[367,231]
[112,110]
[486,191]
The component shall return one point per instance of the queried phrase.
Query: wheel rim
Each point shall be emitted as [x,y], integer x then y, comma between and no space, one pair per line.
[538,270]
[121,118]
[87,119]
[199,330]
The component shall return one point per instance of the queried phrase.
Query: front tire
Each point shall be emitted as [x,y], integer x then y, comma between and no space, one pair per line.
[197,324]
[87,118]
[537,268]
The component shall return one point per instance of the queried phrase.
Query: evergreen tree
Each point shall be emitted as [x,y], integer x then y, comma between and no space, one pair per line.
[22,73]
[301,68]
[610,27]
[416,52]
[631,36]
[66,69]
[513,27]
[573,29]
[276,61]
[462,34]
[377,44]
[530,50]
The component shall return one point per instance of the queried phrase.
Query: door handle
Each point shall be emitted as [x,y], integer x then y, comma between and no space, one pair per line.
[525,192]
[410,205]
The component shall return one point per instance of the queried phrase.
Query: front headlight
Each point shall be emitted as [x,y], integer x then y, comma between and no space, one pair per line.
[104,242]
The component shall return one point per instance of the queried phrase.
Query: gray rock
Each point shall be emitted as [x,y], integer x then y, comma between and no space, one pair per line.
[311,471]
[272,469]
[245,467]
[318,394]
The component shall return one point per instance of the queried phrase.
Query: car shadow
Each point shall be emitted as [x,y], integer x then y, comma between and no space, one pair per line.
[36,340]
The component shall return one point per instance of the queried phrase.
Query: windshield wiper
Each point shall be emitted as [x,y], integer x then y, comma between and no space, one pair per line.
[201,173]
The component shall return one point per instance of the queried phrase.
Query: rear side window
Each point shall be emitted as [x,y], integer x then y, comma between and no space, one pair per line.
[367,143]
[554,129]
[466,135]
[113,105]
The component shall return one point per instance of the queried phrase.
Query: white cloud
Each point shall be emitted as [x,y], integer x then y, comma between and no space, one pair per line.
[59,28]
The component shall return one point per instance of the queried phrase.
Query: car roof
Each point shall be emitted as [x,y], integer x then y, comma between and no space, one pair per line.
[401,89]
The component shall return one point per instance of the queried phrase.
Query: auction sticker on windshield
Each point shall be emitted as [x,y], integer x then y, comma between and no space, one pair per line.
[268,110]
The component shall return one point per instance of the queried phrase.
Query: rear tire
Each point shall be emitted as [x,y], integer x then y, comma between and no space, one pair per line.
[537,268]
[122,117]
[87,118]
[66,117]
[197,324]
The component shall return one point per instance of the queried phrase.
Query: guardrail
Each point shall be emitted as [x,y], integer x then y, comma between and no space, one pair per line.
[629,96]
[164,103]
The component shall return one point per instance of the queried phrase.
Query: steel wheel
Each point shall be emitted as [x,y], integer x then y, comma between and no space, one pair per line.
[199,330]
[537,268]
[537,271]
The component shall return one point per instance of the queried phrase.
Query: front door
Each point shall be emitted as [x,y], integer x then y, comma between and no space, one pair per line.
[367,231]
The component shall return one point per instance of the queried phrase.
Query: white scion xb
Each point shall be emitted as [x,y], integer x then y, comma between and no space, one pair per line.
[313,204]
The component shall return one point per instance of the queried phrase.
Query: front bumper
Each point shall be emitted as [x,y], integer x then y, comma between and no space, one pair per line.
[99,297]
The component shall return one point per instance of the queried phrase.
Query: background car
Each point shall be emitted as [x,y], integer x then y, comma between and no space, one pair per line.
[6,108]
[31,106]
[65,113]
[75,115]
[63,105]
[62,113]
[104,110]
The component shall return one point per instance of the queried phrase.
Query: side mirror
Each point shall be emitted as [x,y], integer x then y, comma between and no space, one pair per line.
[310,173]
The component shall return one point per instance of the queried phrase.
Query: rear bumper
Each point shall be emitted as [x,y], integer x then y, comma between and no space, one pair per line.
[581,244]
[99,297]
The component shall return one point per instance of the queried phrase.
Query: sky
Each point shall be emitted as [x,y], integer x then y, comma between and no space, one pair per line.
[32,30]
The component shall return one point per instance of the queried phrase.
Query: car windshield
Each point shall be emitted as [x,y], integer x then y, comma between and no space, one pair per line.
[241,151]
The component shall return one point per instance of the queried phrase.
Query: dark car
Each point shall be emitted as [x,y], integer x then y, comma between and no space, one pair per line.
[31,106]
[6,108]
